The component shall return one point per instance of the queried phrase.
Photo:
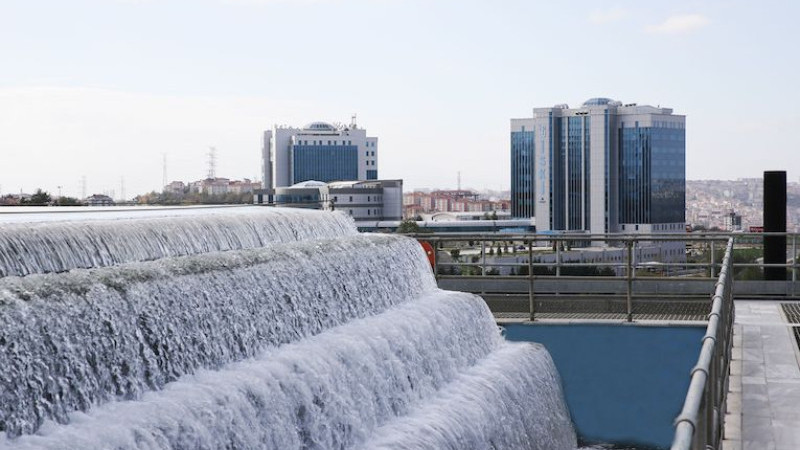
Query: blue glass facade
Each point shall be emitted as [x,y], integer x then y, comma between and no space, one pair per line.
[652,175]
[522,170]
[577,171]
[372,174]
[570,171]
[324,163]
[639,171]
[558,152]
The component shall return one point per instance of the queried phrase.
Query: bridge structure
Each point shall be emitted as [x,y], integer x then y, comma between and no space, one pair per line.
[742,388]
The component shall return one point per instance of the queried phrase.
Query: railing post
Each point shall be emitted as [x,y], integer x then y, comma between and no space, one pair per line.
[794,260]
[436,245]
[558,258]
[630,280]
[712,262]
[531,297]
[483,256]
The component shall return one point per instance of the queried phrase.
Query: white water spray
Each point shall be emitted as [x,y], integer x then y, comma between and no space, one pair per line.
[312,343]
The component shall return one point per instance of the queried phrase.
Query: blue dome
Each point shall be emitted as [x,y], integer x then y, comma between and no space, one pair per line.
[597,101]
[320,126]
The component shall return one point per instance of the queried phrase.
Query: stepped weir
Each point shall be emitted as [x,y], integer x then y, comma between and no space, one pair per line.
[254,328]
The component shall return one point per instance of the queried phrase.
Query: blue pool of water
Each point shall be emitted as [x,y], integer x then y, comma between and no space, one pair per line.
[624,384]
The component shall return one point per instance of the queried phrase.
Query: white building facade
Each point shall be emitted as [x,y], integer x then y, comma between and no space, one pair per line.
[319,151]
[604,167]
[370,200]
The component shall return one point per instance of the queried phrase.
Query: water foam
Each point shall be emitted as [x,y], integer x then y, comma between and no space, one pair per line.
[76,339]
[42,247]
[261,329]
[335,389]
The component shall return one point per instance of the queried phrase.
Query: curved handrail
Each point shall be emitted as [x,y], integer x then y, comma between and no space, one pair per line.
[700,424]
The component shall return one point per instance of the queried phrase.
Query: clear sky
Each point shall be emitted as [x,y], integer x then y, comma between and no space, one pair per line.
[104,88]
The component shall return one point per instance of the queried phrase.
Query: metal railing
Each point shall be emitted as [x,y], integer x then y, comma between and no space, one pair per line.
[626,260]
[700,423]
[610,259]
[564,247]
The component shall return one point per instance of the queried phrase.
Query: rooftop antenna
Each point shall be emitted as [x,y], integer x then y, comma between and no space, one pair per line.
[459,180]
[353,121]
[122,188]
[212,162]
[163,169]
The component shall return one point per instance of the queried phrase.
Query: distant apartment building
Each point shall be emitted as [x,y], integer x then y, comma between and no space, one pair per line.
[364,200]
[603,167]
[418,203]
[219,186]
[175,187]
[99,200]
[318,151]
[732,221]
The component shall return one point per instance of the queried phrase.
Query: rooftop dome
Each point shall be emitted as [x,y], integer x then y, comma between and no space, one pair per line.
[320,126]
[597,101]
[309,184]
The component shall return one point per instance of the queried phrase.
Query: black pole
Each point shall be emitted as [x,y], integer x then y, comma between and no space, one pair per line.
[775,221]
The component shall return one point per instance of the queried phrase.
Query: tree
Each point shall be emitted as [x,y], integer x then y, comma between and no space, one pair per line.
[68,201]
[40,197]
[408,226]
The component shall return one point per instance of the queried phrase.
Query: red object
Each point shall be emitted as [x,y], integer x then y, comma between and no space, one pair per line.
[430,252]
[756,229]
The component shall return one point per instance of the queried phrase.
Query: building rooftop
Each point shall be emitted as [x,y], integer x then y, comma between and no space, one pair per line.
[319,126]
[597,101]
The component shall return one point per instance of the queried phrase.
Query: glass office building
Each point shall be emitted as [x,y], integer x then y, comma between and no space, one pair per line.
[319,151]
[603,167]
[522,173]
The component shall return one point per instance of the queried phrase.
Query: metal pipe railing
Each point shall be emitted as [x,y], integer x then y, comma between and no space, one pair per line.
[650,258]
[700,424]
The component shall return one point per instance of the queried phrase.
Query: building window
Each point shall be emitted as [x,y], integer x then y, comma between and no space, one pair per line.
[351,199]
[369,198]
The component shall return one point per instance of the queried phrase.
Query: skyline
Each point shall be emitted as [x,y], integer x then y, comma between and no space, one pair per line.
[103,88]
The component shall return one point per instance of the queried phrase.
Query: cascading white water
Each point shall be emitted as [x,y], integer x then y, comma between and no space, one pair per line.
[322,343]
[42,247]
[335,389]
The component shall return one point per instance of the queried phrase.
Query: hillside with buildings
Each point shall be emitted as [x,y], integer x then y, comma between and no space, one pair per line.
[725,203]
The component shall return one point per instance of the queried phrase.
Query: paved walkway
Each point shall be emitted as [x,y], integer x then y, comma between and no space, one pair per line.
[764,399]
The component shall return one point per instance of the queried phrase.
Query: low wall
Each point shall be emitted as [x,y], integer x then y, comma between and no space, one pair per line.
[624,384]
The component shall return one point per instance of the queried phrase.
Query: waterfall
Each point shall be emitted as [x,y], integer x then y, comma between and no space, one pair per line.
[294,338]
[49,246]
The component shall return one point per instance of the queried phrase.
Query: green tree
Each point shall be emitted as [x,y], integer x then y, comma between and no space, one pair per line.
[408,226]
[455,254]
[40,197]
[68,201]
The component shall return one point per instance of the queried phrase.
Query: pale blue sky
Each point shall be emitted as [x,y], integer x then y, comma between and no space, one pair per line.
[102,88]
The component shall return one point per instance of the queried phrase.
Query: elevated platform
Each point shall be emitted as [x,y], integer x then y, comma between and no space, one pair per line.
[764,398]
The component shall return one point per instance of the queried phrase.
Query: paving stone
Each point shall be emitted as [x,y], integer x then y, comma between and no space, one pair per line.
[769,395]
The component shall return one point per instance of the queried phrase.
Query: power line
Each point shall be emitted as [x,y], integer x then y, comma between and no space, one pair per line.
[163,169]
[212,162]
